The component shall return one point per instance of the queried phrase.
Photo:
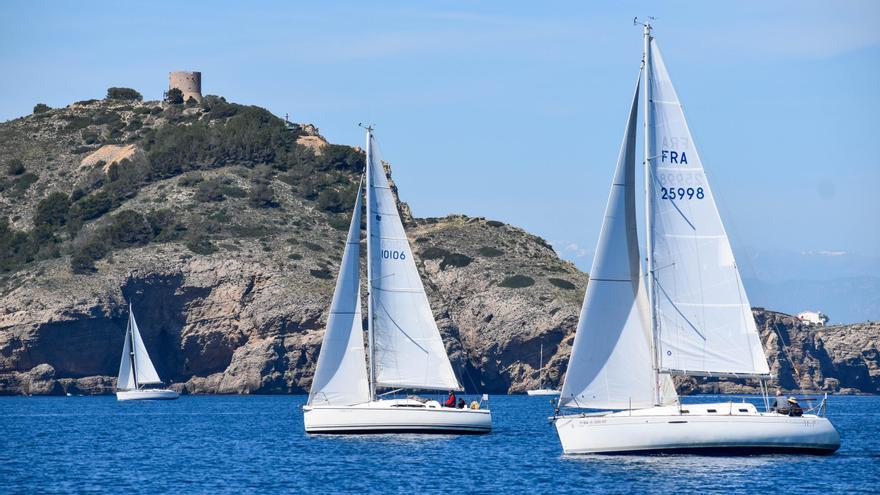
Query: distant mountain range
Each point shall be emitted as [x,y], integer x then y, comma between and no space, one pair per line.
[845,286]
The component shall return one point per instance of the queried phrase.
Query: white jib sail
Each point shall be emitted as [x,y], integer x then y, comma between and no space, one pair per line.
[611,363]
[125,380]
[704,319]
[408,351]
[341,373]
[145,372]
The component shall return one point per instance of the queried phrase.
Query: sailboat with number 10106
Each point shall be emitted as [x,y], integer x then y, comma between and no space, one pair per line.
[687,314]
[403,343]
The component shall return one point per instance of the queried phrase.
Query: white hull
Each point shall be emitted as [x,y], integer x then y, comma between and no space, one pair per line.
[732,429]
[396,416]
[146,394]
[543,391]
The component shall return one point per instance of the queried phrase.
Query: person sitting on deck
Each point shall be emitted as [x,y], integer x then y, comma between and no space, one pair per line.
[780,404]
[461,403]
[794,409]
[450,401]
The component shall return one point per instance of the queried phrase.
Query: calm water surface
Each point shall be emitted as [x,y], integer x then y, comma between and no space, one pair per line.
[254,444]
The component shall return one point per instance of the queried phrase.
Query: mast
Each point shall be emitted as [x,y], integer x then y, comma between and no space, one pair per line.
[649,223]
[130,333]
[372,353]
[541,367]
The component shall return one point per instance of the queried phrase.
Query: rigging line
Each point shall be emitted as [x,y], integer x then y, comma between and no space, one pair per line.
[674,306]
[382,304]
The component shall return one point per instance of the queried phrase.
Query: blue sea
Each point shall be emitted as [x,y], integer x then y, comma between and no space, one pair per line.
[256,444]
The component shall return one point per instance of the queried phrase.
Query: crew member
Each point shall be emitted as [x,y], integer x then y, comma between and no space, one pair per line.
[780,404]
[794,409]
[450,401]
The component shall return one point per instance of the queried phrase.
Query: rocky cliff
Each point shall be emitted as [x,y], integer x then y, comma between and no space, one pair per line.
[223,226]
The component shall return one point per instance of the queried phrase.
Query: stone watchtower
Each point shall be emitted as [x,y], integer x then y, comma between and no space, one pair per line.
[189,83]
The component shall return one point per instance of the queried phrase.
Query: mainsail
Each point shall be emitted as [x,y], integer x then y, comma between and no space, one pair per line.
[407,349]
[135,369]
[611,360]
[341,373]
[703,317]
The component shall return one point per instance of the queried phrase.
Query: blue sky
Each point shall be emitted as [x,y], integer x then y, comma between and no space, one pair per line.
[514,110]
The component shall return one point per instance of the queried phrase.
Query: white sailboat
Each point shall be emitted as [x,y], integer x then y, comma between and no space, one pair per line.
[404,345]
[541,390]
[136,370]
[687,315]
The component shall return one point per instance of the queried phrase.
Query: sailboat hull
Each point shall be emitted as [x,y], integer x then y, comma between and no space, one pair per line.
[396,416]
[542,391]
[147,394]
[726,431]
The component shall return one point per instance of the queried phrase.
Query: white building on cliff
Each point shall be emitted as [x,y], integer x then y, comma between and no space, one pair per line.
[817,318]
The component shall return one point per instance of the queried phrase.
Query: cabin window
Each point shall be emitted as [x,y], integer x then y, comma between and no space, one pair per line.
[711,410]
[684,411]
[743,410]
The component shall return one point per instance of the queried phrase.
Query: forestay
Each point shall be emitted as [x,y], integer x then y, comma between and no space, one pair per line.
[341,373]
[611,362]
[407,349]
[705,324]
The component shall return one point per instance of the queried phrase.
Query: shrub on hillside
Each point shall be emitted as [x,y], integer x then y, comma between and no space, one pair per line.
[123,94]
[93,206]
[16,247]
[494,223]
[165,225]
[86,251]
[190,179]
[434,253]
[52,211]
[128,228]
[262,196]
[321,273]
[562,284]
[15,167]
[210,190]
[490,252]
[517,282]
[455,260]
[24,182]
[331,201]
[41,108]
[340,157]
[339,222]
[174,96]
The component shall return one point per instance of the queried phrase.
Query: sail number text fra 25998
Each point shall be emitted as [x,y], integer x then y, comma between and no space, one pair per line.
[390,254]
[673,157]
[682,193]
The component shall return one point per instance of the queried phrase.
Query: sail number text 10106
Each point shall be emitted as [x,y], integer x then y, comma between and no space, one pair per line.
[390,254]
[682,193]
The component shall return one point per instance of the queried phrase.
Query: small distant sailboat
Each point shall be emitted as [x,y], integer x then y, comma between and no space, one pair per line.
[541,390]
[404,345]
[688,314]
[136,370]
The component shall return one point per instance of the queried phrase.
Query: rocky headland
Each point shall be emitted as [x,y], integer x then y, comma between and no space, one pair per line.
[223,226]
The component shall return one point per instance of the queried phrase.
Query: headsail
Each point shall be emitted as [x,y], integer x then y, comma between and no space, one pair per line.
[704,320]
[407,349]
[125,380]
[146,373]
[341,373]
[611,363]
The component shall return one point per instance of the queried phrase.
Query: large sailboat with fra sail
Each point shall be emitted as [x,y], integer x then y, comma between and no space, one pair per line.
[404,347]
[686,313]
